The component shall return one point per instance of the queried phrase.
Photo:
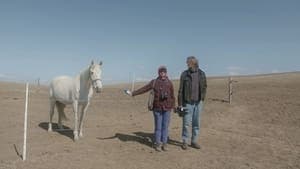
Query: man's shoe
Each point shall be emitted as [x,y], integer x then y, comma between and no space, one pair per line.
[195,145]
[184,146]
[165,147]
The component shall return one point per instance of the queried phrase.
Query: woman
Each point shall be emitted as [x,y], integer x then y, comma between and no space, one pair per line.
[164,102]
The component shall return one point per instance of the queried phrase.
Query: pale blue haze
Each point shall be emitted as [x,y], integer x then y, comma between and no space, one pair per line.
[46,38]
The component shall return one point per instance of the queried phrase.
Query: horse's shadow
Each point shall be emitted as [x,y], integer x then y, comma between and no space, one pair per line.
[140,137]
[68,132]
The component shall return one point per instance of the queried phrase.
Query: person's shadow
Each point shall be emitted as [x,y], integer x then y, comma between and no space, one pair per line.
[68,132]
[140,137]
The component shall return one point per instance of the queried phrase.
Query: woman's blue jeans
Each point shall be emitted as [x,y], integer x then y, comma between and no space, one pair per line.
[192,118]
[161,120]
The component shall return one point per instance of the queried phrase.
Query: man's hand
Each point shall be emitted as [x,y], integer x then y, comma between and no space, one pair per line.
[181,111]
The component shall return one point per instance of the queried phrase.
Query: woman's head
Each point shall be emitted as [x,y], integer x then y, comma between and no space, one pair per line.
[162,72]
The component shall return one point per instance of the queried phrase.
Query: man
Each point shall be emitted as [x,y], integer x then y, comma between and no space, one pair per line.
[163,103]
[191,95]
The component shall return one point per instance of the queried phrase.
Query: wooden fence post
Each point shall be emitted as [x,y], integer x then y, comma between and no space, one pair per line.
[230,89]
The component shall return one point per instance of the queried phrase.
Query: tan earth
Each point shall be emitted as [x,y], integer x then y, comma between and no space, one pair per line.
[259,130]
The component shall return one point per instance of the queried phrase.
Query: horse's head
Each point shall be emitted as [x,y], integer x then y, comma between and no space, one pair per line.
[95,76]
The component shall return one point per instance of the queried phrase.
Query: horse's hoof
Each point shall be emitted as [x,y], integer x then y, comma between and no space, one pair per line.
[49,127]
[76,136]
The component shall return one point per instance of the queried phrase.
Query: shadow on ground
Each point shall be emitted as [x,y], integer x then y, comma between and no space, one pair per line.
[218,100]
[68,132]
[140,137]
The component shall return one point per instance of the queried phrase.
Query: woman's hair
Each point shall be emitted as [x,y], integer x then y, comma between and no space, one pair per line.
[162,69]
[193,61]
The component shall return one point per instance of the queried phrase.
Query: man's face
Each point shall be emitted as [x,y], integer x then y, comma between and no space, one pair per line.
[189,64]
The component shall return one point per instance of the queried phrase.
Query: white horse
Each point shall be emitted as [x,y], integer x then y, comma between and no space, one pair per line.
[76,91]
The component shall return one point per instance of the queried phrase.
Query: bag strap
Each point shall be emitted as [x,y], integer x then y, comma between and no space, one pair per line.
[153,85]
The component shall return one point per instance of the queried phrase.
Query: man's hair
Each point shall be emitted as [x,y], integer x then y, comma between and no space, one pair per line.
[193,60]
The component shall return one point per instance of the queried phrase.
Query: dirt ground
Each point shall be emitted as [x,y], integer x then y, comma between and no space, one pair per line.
[259,130]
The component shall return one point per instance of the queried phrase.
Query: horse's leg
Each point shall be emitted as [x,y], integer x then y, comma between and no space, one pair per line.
[60,109]
[75,109]
[83,112]
[51,112]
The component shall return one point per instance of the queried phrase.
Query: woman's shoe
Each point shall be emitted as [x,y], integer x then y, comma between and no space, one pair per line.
[165,147]
[157,147]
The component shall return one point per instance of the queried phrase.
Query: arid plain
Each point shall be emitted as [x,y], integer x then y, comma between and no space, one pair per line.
[259,130]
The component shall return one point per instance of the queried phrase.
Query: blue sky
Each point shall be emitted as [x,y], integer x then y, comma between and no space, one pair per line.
[43,39]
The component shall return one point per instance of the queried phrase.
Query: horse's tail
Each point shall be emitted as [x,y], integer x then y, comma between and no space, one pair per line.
[61,113]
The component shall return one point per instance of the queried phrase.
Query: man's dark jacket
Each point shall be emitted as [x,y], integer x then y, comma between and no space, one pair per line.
[185,87]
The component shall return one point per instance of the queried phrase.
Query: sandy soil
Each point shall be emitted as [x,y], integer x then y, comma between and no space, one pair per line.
[259,130]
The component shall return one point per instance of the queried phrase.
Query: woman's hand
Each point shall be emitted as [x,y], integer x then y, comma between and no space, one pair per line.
[128,92]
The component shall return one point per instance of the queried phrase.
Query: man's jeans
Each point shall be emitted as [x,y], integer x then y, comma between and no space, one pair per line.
[161,120]
[191,118]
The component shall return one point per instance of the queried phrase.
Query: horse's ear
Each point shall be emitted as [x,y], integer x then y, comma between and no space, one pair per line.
[92,62]
[100,63]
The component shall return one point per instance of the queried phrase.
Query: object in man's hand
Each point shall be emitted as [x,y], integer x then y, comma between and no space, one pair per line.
[181,111]
[128,92]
